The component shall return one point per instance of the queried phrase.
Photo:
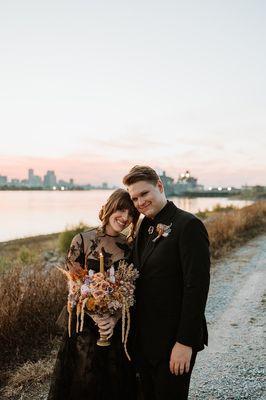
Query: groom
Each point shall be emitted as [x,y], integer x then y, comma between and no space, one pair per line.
[172,254]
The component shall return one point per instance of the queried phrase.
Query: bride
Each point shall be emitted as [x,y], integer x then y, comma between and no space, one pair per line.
[83,370]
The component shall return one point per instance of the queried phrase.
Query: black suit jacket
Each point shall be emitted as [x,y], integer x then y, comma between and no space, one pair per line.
[172,289]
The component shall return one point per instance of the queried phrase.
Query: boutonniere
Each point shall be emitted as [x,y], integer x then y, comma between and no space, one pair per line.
[162,230]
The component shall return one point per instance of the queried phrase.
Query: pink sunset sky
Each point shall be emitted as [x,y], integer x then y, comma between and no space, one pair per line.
[89,89]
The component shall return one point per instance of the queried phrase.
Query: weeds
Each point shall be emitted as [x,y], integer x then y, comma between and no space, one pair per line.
[27,256]
[66,236]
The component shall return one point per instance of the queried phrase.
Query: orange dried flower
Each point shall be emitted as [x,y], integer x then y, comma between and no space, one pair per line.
[90,304]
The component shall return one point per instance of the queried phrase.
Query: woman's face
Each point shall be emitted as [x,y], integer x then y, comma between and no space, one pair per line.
[118,221]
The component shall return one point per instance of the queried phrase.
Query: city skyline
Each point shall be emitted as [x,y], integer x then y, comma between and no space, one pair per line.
[50,179]
[47,180]
[91,89]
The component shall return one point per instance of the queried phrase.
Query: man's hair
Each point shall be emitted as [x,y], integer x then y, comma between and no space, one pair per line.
[141,173]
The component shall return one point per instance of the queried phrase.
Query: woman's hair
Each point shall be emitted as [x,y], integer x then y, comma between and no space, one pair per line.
[141,173]
[119,200]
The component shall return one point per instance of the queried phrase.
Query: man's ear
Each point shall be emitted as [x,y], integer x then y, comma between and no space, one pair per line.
[160,185]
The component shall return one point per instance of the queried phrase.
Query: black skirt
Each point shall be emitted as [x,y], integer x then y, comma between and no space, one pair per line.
[86,371]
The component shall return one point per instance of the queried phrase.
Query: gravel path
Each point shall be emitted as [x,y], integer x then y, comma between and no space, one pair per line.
[232,365]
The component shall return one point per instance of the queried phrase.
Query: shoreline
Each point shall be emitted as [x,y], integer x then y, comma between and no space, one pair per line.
[247,222]
[45,218]
[10,249]
[34,238]
[54,235]
[241,195]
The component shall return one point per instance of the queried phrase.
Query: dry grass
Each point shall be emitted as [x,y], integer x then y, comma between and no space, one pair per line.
[28,375]
[36,244]
[228,230]
[30,301]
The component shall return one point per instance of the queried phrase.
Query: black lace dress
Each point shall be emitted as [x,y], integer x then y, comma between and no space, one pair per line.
[83,370]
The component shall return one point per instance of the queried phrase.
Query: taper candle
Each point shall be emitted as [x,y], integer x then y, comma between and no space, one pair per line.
[101,263]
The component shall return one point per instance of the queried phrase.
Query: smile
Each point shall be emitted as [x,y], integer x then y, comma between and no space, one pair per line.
[122,224]
[145,206]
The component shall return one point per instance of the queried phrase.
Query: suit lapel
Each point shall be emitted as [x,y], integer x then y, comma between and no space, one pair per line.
[165,219]
[136,246]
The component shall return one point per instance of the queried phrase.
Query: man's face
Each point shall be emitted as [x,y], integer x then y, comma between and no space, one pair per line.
[147,198]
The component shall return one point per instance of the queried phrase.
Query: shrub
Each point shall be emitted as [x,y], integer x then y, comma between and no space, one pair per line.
[216,209]
[67,235]
[203,214]
[26,256]
[4,264]
[219,208]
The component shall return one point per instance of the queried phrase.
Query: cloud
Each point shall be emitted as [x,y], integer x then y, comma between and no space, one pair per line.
[129,142]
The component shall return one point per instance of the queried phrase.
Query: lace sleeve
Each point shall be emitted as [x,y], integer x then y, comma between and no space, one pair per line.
[76,256]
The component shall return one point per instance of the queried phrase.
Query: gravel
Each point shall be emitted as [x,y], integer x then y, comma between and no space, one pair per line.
[232,366]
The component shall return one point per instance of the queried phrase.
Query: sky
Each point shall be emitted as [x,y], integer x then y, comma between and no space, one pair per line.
[91,88]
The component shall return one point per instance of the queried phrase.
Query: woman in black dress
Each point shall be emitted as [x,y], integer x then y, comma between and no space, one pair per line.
[83,370]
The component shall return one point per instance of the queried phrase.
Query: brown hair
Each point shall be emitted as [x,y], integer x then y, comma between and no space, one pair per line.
[119,200]
[141,173]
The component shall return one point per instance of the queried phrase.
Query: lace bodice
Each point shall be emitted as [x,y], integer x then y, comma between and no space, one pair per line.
[86,247]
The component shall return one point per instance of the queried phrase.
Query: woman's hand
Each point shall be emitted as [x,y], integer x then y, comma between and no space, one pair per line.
[106,324]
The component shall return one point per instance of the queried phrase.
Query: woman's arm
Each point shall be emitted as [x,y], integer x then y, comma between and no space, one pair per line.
[75,260]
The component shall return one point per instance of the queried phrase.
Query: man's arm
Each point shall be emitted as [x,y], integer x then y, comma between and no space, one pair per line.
[195,261]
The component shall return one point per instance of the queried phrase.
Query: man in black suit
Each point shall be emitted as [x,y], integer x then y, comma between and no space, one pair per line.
[172,254]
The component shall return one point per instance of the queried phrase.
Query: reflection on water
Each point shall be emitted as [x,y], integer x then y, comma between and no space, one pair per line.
[27,213]
[196,204]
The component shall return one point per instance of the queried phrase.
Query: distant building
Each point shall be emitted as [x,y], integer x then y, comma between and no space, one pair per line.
[168,182]
[31,177]
[3,180]
[23,182]
[49,179]
[34,180]
[15,182]
[71,182]
[37,181]
[185,184]
[88,186]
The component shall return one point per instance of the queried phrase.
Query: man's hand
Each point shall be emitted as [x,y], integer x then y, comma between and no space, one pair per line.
[180,359]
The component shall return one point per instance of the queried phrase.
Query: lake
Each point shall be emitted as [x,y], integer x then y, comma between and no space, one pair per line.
[28,213]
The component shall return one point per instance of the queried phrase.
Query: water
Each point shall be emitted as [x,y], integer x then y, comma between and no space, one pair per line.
[28,213]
